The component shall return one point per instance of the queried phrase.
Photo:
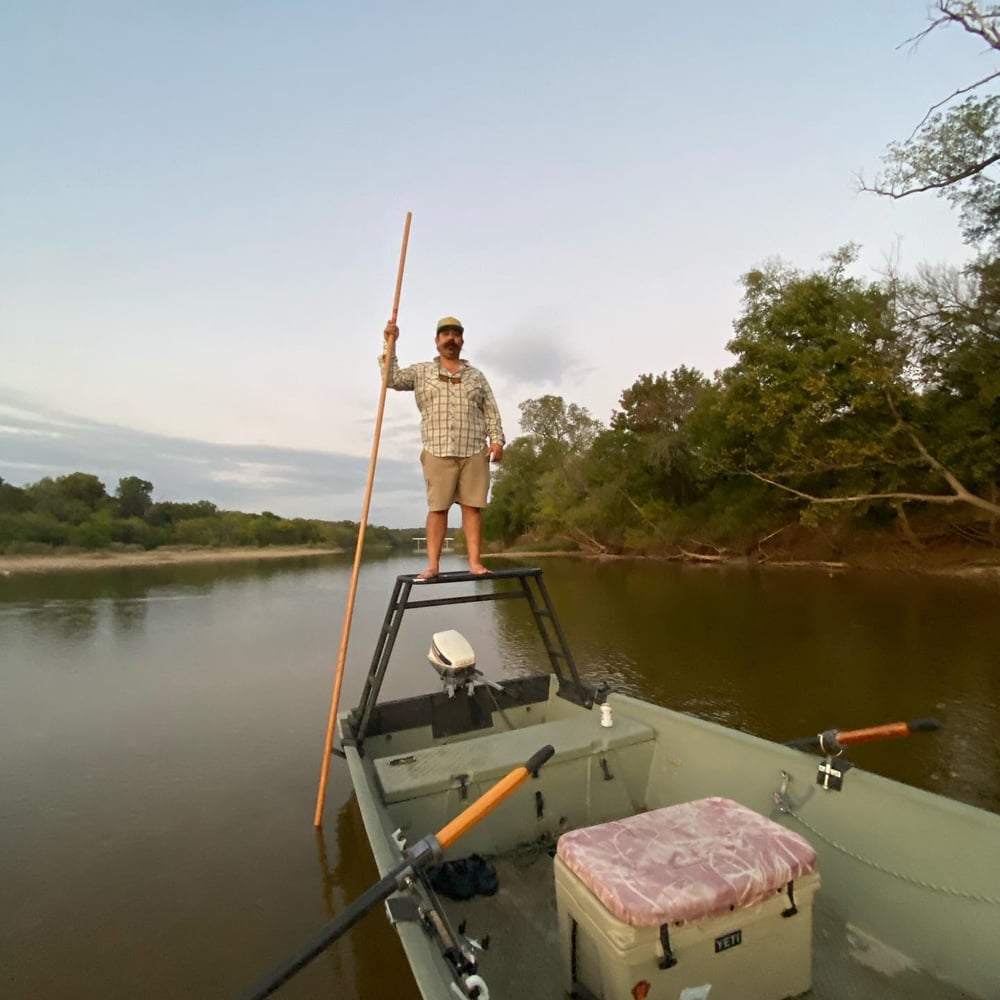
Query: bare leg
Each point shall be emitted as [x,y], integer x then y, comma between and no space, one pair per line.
[472,525]
[437,528]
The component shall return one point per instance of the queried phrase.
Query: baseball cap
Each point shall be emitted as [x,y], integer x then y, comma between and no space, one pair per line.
[449,321]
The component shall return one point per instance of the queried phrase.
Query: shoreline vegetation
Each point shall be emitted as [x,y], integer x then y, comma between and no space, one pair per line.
[953,564]
[72,524]
[957,564]
[71,562]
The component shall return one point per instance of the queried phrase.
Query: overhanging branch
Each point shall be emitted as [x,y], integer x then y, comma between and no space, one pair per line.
[951,97]
[944,182]
[939,498]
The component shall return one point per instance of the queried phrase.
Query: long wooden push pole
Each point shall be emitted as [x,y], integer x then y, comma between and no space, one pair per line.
[353,589]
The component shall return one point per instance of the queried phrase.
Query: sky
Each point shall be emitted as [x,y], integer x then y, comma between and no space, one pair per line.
[202,208]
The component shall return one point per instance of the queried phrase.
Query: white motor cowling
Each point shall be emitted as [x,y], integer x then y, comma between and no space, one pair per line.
[452,656]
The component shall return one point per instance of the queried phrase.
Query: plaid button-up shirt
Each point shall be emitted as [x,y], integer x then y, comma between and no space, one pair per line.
[457,412]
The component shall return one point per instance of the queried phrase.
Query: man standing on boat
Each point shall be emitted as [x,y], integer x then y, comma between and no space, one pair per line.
[461,432]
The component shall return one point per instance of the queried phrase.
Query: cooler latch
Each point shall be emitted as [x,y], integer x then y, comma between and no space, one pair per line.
[791,909]
[667,959]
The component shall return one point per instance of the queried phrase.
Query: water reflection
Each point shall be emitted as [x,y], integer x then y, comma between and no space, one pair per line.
[160,732]
[344,877]
[786,654]
[129,615]
[64,620]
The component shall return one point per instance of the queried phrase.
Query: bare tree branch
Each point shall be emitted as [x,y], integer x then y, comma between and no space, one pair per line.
[971,171]
[652,524]
[588,540]
[950,97]
[942,498]
[701,556]
[949,477]
[968,16]
[959,494]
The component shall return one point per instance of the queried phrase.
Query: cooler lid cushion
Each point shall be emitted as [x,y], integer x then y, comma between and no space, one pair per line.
[685,862]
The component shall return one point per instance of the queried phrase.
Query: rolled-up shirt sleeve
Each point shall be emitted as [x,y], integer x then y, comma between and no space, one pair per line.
[403,379]
[491,413]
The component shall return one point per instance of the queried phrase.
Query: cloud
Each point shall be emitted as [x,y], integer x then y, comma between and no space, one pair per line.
[36,441]
[532,355]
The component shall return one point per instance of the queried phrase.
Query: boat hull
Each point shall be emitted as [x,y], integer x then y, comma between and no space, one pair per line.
[910,898]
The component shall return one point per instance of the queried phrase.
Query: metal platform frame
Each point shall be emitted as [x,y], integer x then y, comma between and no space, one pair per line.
[530,587]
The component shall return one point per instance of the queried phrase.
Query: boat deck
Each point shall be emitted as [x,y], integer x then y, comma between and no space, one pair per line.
[521,920]
[887,881]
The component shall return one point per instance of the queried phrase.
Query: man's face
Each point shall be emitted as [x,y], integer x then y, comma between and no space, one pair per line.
[449,342]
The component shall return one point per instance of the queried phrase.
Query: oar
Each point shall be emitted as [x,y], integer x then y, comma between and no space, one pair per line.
[353,588]
[835,740]
[423,853]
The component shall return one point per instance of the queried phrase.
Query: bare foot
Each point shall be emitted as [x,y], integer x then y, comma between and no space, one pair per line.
[427,575]
[478,569]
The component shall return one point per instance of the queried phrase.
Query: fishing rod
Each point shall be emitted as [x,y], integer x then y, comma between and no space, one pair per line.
[835,741]
[425,852]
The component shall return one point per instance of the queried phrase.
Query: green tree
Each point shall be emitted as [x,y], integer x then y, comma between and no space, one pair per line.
[954,151]
[954,318]
[71,498]
[96,532]
[512,508]
[13,499]
[655,421]
[820,401]
[172,512]
[561,435]
[136,531]
[18,532]
[556,428]
[542,478]
[135,496]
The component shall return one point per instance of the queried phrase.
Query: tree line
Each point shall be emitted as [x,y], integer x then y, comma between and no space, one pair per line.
[77,511]
[852,404]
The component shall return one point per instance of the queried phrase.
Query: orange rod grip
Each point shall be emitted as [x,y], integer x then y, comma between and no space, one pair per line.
[484,805]
[885,732]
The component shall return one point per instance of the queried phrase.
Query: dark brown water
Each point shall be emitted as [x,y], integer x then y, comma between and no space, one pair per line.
[161,733]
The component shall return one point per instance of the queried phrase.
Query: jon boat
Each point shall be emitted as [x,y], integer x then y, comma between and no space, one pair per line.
[901,900]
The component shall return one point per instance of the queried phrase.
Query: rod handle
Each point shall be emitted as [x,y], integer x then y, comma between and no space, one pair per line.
[489,800]
[889,731]
[834,740]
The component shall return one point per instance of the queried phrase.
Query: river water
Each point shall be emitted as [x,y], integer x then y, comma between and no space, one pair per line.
[161,735]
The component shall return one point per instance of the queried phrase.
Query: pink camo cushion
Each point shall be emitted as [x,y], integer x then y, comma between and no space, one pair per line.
[685,862]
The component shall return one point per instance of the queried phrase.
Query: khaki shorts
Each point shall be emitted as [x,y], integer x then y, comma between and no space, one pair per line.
[456,480]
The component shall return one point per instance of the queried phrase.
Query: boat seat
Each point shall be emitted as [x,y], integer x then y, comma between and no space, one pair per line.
[686,862]
[488,758]
[696,896]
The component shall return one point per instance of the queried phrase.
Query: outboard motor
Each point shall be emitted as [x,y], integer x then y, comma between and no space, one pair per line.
[454,659]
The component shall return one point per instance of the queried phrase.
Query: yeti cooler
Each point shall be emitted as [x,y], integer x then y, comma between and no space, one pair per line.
[706,900]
